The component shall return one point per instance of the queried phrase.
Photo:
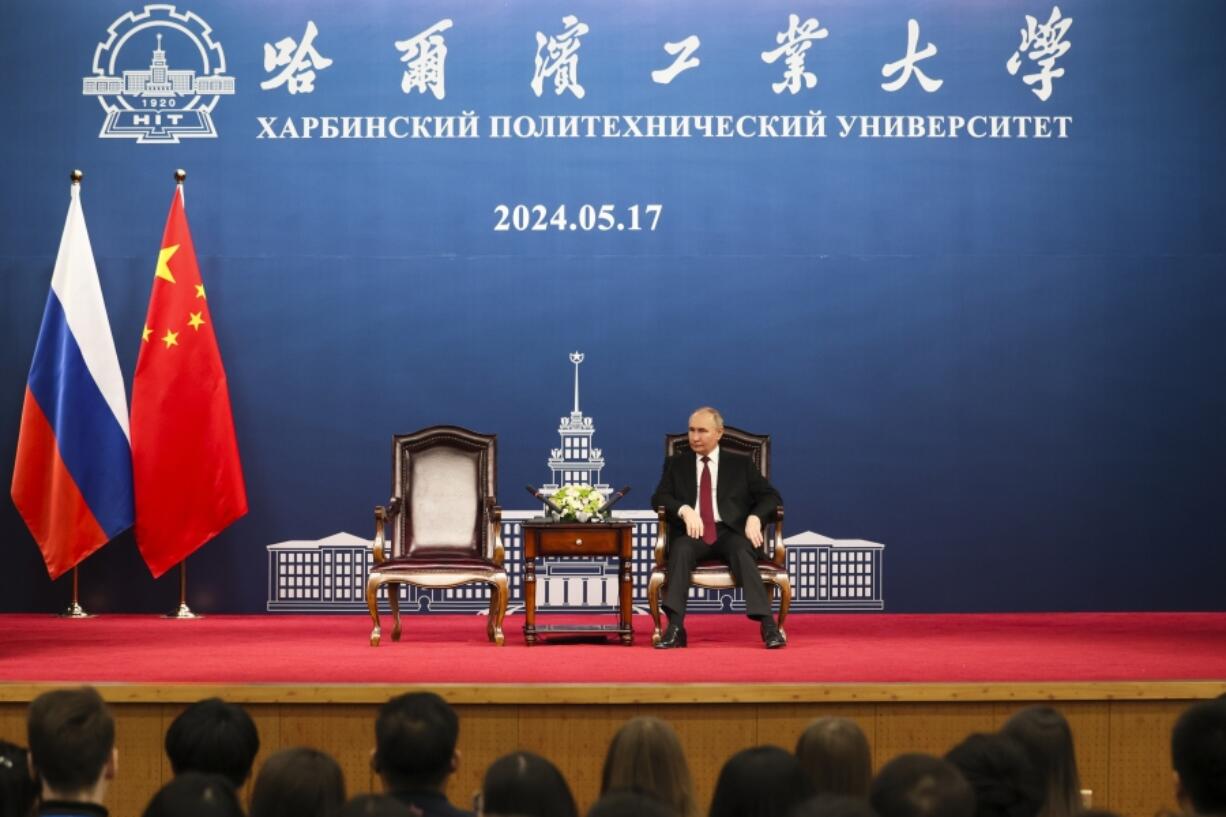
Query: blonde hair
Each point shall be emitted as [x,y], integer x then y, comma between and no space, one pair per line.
[646,756]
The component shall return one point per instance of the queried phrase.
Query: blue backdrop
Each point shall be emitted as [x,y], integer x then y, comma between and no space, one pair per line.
[1000,356]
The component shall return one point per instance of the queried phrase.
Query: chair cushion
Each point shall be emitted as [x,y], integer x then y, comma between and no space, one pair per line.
[418,562]
[716,566]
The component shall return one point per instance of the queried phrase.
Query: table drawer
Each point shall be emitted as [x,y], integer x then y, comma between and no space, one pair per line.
[578,543]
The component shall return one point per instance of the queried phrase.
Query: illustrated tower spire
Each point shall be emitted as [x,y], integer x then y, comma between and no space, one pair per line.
[576,358]
[576,462]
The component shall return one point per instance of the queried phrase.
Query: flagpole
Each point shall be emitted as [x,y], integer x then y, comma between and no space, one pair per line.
[75,610]
[183,611]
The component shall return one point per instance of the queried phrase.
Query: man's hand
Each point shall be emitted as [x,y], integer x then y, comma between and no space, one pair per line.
[693,522]
[753,530]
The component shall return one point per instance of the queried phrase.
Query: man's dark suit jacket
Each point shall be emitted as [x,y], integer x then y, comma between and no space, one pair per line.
[429,803]
[740,491]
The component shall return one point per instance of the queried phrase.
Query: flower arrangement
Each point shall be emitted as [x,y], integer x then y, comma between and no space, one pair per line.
[579,502]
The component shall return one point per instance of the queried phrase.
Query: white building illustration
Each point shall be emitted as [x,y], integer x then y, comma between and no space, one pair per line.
[160,80]
[329,575]
[834,574]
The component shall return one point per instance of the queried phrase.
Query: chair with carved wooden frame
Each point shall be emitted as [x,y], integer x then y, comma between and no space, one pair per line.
[445,525]
[714,574]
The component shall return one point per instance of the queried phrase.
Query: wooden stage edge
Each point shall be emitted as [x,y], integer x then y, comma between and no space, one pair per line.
[642,694]
[1121,728]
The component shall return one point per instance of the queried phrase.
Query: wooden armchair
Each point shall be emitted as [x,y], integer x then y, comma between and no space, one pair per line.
[714,574]
[445,527]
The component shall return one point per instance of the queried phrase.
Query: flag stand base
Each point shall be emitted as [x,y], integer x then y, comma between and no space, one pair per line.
[183,612]
[75,610]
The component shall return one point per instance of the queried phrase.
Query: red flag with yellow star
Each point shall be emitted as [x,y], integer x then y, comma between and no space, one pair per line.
[185,465]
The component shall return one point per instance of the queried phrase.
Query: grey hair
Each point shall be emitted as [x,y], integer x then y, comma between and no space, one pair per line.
[715,415]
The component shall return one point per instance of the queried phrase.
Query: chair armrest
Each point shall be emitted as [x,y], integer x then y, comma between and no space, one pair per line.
[380,541]
[493,517]
[382,515]
[778,553]
[661,549]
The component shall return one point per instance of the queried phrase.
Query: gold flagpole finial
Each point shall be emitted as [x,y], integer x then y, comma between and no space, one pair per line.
[180,175]
[76,176]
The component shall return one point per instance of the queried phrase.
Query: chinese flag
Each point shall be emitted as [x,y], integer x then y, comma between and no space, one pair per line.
[185,466]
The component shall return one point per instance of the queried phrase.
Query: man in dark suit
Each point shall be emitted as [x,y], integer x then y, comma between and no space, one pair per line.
[72,751]
[415,752]
[1198,755]
[717,503]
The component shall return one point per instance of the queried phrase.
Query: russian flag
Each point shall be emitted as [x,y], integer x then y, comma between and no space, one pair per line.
[72,481]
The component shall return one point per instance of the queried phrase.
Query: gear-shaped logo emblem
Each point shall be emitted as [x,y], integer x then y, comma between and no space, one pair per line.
[144,97]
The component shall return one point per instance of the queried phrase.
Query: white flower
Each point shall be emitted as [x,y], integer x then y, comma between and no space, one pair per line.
[578,499]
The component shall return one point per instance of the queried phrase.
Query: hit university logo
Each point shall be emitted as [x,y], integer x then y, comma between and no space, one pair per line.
[158,75]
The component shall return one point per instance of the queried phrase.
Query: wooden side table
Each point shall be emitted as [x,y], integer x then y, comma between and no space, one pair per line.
[579,539]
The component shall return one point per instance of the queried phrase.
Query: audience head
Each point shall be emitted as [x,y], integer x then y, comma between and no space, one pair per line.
[626,803]
[834,805]
[834,753]
[195,794]
[528,785]
[1000,773]
[17,789]
[375,805]
[415,741]
[916,785]
[1045,735]
[71,735]
[646,756]
[760,782]
[298,783]
[214,737]
[1198,755]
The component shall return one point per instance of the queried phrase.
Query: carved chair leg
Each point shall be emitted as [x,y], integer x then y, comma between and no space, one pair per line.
[785,598]
[393,600]
[653,604]
[372,602]
[491,612]
[498,609]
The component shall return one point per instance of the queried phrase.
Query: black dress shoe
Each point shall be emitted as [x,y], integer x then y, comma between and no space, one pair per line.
[674,636]
[772,636]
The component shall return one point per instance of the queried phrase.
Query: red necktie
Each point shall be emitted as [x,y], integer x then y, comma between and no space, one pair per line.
[706,508]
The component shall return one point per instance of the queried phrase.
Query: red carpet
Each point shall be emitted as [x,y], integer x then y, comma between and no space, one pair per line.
[723,649]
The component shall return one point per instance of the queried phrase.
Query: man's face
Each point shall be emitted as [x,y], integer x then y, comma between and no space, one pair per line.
[704,436]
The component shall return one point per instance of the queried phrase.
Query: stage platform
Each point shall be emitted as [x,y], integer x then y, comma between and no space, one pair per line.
[913,682]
